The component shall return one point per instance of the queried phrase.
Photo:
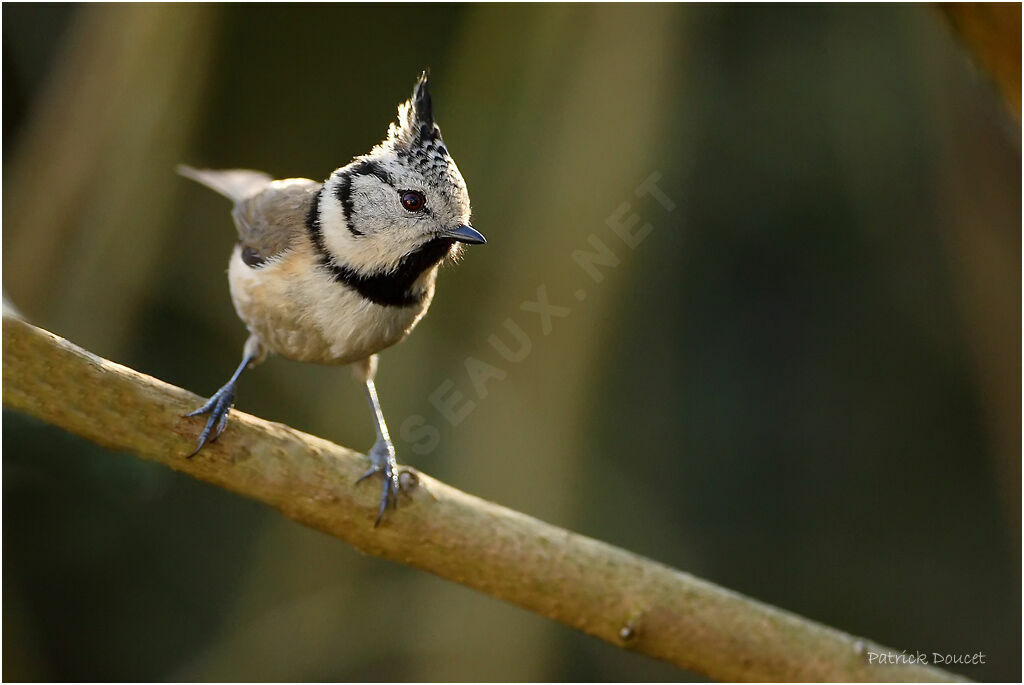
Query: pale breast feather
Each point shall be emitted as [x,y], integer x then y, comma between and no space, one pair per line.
[270,220]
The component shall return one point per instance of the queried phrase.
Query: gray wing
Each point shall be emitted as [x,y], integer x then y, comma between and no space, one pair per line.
[271,219]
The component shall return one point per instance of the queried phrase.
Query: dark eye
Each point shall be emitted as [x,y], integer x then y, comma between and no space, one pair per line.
[412,200]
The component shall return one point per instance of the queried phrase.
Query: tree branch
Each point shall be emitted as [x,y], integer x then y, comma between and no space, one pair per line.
[617,596]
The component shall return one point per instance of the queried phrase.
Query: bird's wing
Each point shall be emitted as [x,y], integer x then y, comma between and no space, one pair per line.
[271,219]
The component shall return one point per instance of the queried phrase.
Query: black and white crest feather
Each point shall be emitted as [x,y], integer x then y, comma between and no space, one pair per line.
[415,138]
[415,125]
[422,105]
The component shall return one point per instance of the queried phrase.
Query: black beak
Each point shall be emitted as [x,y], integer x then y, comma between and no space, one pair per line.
[466,234]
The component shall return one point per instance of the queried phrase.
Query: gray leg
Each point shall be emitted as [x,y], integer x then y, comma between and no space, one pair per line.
[382,455]
[220,404]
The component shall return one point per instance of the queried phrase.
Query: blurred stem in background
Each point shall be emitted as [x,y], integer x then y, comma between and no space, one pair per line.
[992,32]
[984,245]
[90,185]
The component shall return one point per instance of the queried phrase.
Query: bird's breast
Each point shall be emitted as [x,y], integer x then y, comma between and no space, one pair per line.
[300,311]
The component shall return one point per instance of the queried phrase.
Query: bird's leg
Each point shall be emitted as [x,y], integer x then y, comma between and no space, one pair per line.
[382,455]
[219,405]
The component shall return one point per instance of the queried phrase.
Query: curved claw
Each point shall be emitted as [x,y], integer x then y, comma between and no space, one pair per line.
[223,423]
[218,408]
[384,463]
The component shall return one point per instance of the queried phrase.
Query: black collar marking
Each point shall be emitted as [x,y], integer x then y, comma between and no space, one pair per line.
[388,289]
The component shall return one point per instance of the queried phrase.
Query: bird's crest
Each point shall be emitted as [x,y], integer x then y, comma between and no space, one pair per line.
[415,127]
[415,139]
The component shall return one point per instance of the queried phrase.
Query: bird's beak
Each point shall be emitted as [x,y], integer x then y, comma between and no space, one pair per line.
[466,234]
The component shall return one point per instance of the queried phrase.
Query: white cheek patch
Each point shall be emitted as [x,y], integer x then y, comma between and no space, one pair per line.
[331,213]
[380,247]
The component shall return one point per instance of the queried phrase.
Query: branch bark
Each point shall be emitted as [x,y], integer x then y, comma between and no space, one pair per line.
[617,596]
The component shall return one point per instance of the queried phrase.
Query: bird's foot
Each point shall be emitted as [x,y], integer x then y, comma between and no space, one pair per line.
[384,463]
[217,407]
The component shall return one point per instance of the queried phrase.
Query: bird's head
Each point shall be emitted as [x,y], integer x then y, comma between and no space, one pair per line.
[404,198]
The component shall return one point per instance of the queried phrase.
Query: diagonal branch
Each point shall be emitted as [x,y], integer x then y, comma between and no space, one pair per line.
[617,596]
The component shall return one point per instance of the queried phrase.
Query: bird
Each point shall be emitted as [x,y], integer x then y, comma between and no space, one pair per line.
[334,272]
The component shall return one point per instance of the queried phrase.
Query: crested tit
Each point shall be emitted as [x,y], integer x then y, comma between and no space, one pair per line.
[334,272]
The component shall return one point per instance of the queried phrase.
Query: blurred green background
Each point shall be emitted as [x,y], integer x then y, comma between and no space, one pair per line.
[803,385]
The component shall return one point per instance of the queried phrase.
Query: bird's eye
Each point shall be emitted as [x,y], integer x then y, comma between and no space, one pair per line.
[412,200]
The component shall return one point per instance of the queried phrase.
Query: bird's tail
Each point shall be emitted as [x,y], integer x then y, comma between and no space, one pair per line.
[234,184]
